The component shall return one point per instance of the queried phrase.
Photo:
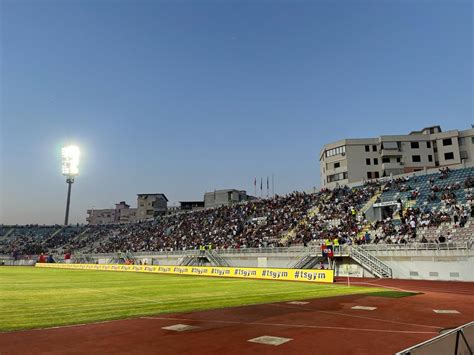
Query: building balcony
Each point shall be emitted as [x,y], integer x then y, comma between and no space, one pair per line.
[392,165]
[391,152]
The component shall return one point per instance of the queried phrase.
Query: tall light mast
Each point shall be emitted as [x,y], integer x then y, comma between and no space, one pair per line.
[70,169]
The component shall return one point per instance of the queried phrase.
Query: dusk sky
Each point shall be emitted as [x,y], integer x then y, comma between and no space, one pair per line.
[184,97]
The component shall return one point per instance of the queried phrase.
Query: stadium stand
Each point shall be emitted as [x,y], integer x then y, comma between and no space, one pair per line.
[434,208]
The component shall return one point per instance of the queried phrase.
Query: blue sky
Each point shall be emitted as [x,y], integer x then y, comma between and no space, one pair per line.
[184,97]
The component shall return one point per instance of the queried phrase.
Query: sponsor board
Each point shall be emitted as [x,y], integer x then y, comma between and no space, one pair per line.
[307,275]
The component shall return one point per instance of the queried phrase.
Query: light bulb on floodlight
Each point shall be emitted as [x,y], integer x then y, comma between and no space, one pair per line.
[70,158]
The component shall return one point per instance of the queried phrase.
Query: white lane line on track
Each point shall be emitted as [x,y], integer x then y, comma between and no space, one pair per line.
[355,316]
[288,325]
[63,326]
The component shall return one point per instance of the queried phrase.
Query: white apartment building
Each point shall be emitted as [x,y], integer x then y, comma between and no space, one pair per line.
[353,160]
[122,213]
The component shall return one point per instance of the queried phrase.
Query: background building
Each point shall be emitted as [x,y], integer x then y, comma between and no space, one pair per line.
[121,214]
[125,214]
[151,205]
[352,160]
[225,197]
[191,205]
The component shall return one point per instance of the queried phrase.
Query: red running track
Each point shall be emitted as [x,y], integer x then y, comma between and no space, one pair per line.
[323,326]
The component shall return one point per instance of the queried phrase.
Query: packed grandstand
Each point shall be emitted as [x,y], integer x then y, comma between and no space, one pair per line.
[436,207]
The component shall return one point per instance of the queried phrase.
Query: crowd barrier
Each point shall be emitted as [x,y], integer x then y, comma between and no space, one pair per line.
[326,276]
[458,341]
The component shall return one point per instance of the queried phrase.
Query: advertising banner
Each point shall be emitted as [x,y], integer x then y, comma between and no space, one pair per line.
[308,275]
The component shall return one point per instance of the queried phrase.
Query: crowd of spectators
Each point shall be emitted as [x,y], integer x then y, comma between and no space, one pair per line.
[337,215]
[448,211]
[298,218]
[258,223]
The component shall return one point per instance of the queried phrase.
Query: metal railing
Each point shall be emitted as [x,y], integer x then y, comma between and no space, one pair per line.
[276,250]
[459,340]
[374,264]
[293,251]
[216,258]
[301,261]
[418,246]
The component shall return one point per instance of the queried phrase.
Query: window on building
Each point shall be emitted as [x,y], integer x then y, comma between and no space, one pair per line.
[367,148]
[369,175]
[385,159]
[447,141]
[367,161]
[472,140]
[415,145]
[430,157]
[399,160]
[463,154]
[462,141]
[337,165]
[428,144]
[448,156]
[376,161]
[416,158]
[336,151]
[374,148]
[377,175]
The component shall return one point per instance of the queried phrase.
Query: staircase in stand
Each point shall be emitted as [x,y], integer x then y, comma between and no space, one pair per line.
[210,256]
[376,266]
[215,259]
[290,235]
[306,261]
[369,203]
[80,258]
[188,260]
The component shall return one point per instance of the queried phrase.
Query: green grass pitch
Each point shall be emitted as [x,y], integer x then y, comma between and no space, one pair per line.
[39,298]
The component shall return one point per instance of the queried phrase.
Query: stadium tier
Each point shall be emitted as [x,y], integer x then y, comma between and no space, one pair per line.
[434,207]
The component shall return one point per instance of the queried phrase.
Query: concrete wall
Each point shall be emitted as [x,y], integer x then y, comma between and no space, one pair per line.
[430,264]
[406,264]
[421,264]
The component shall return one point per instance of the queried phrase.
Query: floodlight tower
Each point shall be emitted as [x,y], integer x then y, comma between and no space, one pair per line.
[70,168]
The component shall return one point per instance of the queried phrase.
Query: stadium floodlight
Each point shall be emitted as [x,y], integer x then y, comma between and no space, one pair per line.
[70,168]
[70,156]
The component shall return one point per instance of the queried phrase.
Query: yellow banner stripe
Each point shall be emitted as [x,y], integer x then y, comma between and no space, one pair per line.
[308,275]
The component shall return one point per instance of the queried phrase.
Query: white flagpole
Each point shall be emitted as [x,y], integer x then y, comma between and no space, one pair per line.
[273,187]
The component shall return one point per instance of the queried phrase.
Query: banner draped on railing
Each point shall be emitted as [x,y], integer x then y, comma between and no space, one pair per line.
[237,272]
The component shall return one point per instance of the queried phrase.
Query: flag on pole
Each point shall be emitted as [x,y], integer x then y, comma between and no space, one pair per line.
[268,187]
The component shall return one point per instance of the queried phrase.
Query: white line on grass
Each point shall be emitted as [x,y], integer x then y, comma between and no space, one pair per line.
[419,289]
